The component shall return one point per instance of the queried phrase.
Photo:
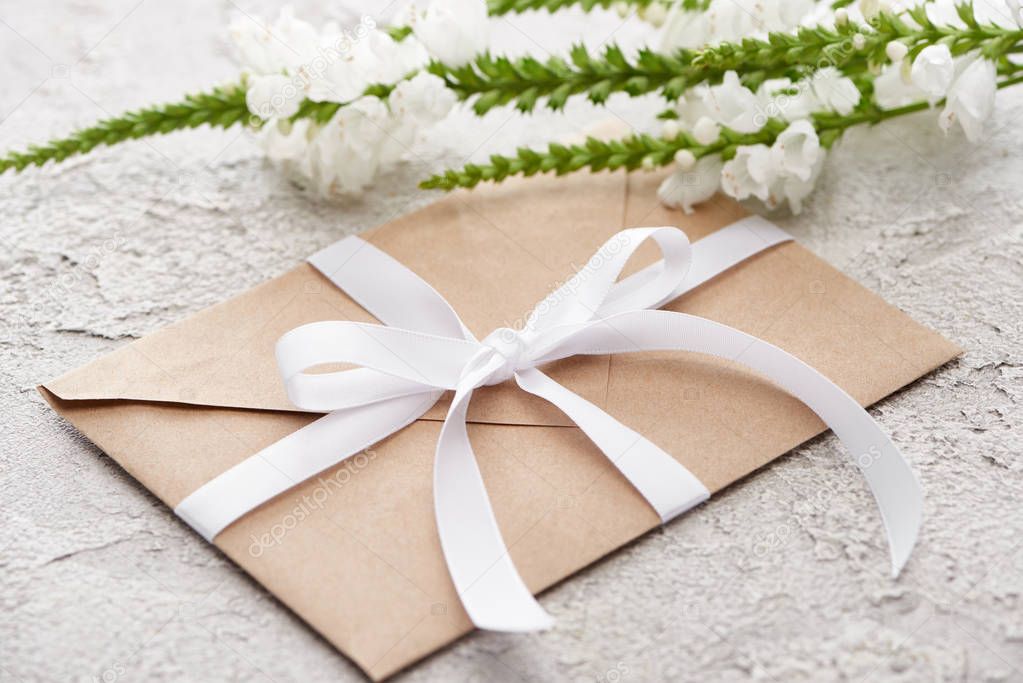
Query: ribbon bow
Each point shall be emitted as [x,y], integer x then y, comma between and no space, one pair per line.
[407,368]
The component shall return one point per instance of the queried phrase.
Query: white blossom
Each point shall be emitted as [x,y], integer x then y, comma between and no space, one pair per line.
[751,172]
[691,106]
[682,28]
[345,154]
[870,8]
[796,149]
[944,13]
[453,31]
[933,71]
[781,98]
[332,65]
[793,189]
[366,134]
[730,21]
[272,95]
[971,98]
[654,13]
[733,105]
[834,91]
[686,187]
[784,172]
[1015,8]
[264,48]
[893,89]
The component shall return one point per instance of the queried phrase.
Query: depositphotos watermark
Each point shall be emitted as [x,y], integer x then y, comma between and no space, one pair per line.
[311,502]
[569,287]
[315,69]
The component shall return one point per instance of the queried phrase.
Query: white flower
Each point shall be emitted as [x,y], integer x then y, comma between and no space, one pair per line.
[453,31]
[682,28]
[971,98]
[834,91]
[344,157]
[272,96]
[373,58]
[730,21]
[291,61]
[691,107]
[684,188]
[784,172]
[414,105]
[654,13]
[751,172]
[286,142]
[733,105]
[1015,11]
[870,8]
[892,89]
[944,13]
[781,98]
[362,138]
[796,150]
[422,97]
[263,48]
[933,71]
[794,190]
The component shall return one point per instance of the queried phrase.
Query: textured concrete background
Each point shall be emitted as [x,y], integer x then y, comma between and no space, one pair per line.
[99,581]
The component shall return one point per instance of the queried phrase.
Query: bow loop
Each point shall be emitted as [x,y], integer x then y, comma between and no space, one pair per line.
[594,290]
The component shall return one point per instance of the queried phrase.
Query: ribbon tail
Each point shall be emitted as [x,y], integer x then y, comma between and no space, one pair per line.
[488,584]
[663,481]
[889,476]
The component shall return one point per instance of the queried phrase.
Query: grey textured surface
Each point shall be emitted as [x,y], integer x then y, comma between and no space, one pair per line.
[99,581]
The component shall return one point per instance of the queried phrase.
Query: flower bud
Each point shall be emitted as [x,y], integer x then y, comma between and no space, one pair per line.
[685,160]
[670,129]
[896,51]
[706,131]
[654,13]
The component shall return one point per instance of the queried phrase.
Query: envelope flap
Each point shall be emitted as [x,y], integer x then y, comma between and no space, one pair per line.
[492,254]
[221,356]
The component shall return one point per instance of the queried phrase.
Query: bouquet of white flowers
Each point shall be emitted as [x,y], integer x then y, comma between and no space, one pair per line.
[755,92]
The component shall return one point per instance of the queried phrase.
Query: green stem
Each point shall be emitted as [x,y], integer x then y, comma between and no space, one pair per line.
[646,151]
[220,108]
[492,81]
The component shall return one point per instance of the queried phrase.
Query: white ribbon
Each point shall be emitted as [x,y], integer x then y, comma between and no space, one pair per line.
[424,349]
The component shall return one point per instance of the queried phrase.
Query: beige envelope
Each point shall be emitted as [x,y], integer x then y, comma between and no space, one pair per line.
[354,551]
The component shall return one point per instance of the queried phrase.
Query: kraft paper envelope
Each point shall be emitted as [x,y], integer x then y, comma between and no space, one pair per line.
[355,551]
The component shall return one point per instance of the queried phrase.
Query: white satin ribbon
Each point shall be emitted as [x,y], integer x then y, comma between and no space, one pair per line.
[424,349]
